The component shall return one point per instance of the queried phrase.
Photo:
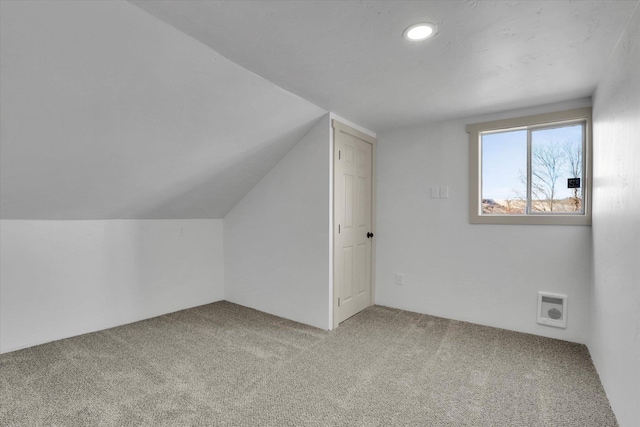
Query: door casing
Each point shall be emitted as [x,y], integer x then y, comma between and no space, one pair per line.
[337,126]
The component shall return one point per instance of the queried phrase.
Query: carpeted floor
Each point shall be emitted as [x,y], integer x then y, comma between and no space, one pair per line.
[225,365]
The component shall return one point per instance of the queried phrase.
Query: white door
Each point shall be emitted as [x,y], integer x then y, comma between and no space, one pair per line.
[353,234]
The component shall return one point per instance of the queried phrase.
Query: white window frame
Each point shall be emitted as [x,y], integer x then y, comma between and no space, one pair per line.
[540,120]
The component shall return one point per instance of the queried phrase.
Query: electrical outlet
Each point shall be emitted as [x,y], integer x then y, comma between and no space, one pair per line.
[399,279]
[435,192]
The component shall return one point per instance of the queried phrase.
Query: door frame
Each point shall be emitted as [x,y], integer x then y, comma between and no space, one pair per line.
[338,126]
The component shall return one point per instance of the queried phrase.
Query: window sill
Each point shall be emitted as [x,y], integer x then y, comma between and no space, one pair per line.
[531,219]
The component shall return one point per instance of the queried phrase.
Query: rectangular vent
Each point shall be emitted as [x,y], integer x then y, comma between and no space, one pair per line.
[552,309]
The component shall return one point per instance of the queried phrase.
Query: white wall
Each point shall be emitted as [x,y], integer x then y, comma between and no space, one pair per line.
[615,325]
[485,274]
[276,240]
[110,113]
[64,278]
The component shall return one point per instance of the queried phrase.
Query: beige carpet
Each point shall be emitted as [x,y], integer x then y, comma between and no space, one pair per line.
[223,364]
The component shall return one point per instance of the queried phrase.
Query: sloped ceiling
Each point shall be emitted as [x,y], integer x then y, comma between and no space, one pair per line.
[349,57]
[107,112]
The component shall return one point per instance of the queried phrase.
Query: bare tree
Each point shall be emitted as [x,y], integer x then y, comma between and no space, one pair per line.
[541,190]
[547,163]
[573,153]
[517,201]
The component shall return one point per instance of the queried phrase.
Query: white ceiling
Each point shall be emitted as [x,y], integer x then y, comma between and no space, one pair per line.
[109,112]
[349,57]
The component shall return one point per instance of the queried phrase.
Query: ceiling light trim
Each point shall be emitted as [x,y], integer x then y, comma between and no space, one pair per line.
[420,31]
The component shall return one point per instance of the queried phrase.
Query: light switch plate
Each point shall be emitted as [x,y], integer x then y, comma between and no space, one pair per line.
[435,192]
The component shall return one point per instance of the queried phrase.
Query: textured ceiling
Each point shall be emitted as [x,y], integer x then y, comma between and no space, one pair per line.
[176,109]
[349,57]
[107,112]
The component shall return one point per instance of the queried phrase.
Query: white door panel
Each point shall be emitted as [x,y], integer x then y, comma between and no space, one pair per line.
[353,165]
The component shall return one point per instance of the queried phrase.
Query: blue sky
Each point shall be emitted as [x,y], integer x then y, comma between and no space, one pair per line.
[504,159]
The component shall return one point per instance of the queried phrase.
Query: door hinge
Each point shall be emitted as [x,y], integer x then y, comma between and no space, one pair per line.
[338,302]
[338,228]
[339,154]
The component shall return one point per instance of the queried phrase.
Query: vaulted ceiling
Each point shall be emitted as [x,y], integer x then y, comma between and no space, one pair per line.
[349,57]
[107,112]
[176,109]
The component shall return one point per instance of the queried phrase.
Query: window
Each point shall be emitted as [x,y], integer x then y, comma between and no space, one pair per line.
[531,170]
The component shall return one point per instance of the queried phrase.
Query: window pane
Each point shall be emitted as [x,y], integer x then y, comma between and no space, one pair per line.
[556,157]
[504,172]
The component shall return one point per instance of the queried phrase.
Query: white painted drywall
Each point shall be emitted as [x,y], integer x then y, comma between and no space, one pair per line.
[276,239]
[108,112]
[64,278]
[350,57]
[485,274]
[615,324]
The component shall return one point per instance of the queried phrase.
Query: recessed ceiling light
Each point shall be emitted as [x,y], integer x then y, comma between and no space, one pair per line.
[419,32]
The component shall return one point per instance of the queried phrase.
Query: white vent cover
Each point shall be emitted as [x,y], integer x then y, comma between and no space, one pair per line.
[552,309]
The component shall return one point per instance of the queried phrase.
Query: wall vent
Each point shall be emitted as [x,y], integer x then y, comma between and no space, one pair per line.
[552,309]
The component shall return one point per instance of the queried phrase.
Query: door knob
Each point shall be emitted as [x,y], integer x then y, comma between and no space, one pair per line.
[369,235]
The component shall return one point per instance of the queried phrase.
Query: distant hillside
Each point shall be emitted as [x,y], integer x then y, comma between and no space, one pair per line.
[517,206]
